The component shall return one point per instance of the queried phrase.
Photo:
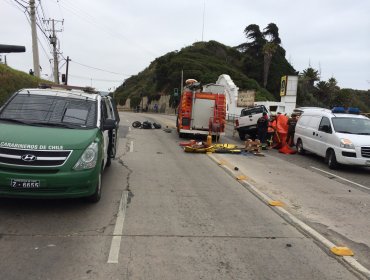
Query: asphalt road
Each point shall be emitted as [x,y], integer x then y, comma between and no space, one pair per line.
[164,214]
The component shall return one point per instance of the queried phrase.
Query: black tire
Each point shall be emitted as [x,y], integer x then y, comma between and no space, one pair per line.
[182,135]
[242,135]
[136,124]
[95,197]
[331,159]
[147,125]
[299,147]
[157,126]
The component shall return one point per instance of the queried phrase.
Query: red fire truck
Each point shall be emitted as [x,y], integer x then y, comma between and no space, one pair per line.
[201,110]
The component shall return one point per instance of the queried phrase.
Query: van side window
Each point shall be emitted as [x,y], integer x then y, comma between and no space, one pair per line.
[314,122]
[325,125]
[303,120]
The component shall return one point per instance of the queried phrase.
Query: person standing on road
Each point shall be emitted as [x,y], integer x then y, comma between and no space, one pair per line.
[262,127]
[292,122]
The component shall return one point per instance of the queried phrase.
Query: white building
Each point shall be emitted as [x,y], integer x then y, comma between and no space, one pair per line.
[286,105]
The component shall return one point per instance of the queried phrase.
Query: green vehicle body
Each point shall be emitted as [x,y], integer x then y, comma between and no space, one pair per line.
[61,181]
[57,150]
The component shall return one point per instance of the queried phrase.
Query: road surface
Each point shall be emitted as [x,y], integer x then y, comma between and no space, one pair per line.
[166,214]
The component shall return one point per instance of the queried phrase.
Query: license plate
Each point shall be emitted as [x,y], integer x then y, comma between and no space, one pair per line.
[25,183]
[367,163]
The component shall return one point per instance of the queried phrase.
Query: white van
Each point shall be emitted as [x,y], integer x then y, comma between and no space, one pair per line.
[338,137]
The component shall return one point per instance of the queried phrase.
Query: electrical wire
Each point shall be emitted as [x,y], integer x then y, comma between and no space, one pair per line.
[60,9]
[94,79]
[21,4]
[82,15]
[38,39]
[103,70]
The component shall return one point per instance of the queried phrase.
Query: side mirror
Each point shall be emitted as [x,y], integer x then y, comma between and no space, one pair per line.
[109,124]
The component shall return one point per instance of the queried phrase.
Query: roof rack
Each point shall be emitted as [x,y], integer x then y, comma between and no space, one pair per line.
[66,87]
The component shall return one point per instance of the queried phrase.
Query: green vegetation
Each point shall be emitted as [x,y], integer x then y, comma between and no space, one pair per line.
[327,94]
[258,63]
[203,61]
[12,80]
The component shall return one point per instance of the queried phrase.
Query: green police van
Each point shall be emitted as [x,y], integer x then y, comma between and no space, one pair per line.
[55,143]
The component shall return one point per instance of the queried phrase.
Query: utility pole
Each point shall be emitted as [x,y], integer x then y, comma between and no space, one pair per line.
[35,49]
[53,41]
[68,60]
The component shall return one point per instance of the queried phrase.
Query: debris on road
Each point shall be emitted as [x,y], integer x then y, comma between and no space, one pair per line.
[146,125]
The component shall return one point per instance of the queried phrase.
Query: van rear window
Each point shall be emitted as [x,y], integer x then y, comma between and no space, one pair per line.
[43,109]
[252,111]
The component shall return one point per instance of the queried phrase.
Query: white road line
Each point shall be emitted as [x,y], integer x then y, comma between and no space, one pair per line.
[117,233]
[343,179]
[132,146]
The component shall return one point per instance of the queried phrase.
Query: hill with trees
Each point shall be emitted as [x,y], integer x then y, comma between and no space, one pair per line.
[258,63]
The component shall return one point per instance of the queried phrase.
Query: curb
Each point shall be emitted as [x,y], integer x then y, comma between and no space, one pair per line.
[327,244]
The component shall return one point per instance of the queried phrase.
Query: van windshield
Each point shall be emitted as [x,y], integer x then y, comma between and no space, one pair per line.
[352,125]
[56,111]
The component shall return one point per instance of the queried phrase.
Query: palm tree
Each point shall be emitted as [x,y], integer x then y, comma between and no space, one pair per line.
[254,34]
[269,48]
[273,31]
[268,51]
[311,76]
[333,91]
[321,93]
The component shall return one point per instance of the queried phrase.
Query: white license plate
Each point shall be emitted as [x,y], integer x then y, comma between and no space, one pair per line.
[24,183]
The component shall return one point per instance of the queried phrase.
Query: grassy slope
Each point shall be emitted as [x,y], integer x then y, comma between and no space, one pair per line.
[12,80]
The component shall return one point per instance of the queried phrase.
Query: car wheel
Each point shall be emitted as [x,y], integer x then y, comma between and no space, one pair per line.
[136,124]
[299,146]
[332,159]
[242,135]
[97,194]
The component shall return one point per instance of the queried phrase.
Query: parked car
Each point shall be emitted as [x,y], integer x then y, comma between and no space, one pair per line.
[55,143]
[338,137]
[247,122]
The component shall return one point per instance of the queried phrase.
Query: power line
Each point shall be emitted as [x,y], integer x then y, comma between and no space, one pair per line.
[94,79]
[42,46]
[100,69]
[21,4]
[92,20]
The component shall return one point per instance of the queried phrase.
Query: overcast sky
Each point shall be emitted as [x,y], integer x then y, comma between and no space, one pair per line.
[124,36]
